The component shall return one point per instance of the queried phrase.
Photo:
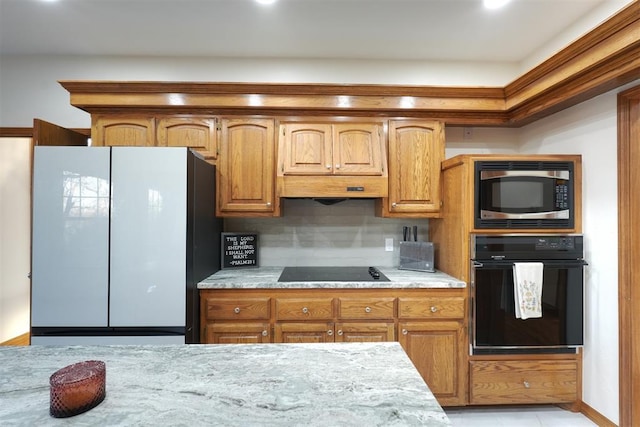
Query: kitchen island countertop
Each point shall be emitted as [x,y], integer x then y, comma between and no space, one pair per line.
[227,385]
[267,277]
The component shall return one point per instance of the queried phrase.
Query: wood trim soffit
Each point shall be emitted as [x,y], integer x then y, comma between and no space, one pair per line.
[603,59]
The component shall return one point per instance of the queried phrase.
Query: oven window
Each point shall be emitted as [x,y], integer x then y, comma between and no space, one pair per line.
[495,324]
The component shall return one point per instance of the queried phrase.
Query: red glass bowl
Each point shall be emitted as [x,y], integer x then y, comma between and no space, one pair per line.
[77,388]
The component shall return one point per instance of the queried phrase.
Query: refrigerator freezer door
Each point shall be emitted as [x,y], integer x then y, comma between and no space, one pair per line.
[70,252]
[148,237]
[108,340]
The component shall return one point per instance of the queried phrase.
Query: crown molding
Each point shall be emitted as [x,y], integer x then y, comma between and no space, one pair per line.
[605,58]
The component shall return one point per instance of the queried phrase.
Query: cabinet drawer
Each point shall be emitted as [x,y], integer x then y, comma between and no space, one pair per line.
[237,308]
[431,307]
[237,333]
[304,308]
[523,381]
[366,308]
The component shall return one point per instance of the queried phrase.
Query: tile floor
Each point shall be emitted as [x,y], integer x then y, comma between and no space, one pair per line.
[517,416]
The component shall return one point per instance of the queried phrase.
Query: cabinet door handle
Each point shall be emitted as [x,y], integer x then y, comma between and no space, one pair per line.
[393,205]
[236,310]
[268,204]
[305,310]
[367,309]
[339,332]
[329,332]
[265,333]
[526,384]
[328,166]
[434,308]
[405,332]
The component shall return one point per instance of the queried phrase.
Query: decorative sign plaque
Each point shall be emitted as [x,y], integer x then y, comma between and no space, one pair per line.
[239,250]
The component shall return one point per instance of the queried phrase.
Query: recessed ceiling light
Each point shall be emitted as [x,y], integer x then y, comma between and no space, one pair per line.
[266,1]
[494,4]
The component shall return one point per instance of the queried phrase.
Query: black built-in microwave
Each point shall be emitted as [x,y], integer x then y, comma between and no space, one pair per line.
[524,194]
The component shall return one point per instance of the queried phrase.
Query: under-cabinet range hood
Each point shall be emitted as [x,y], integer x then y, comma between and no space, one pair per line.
[333,187]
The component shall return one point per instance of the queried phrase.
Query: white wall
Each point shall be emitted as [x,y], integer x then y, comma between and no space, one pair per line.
[589,129]
[15,236]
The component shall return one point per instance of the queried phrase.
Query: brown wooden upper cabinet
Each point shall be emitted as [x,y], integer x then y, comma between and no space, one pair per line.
[123,131]
[198,133]
[416,149]
[331,149]
[246,168]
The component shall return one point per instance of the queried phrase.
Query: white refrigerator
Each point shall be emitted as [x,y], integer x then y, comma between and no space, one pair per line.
[121,236]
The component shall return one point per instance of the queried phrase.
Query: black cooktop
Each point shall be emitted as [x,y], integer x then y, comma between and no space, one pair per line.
[332,274]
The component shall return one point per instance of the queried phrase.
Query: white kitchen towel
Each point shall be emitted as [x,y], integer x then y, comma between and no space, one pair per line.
[527,289]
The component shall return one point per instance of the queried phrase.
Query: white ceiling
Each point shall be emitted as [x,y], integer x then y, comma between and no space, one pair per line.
[433,30]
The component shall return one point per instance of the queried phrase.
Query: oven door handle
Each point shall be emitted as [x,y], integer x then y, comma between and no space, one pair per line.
[546,262]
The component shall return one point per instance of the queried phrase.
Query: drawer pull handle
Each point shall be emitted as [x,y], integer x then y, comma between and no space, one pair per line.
[305,310]
[367,309]
[405,332]
[236,310]
[526,384]
[329,332]
[434,308]
[339,332]
[265,333]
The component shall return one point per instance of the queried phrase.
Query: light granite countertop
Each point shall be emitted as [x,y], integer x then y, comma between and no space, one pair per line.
[267,277]
[338,384]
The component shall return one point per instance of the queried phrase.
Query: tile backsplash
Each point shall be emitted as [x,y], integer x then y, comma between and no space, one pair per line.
[313,234]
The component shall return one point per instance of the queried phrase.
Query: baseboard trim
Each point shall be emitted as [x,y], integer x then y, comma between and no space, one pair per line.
[23,339]
[596,416]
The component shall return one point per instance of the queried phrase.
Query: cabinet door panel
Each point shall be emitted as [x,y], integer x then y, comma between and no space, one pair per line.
[357,149]
[416,150]
[365,332]
[306,149]
[246,177]
[237,333]
[304,332]
[198,133]
[437,349]
[123,131]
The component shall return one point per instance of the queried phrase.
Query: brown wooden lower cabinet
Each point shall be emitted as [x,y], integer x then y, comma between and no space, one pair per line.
[304,332]
[437,349]
[428,323]
[237,333]
[554,379]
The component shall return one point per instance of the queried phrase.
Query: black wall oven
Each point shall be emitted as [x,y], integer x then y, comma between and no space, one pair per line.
[495,329]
